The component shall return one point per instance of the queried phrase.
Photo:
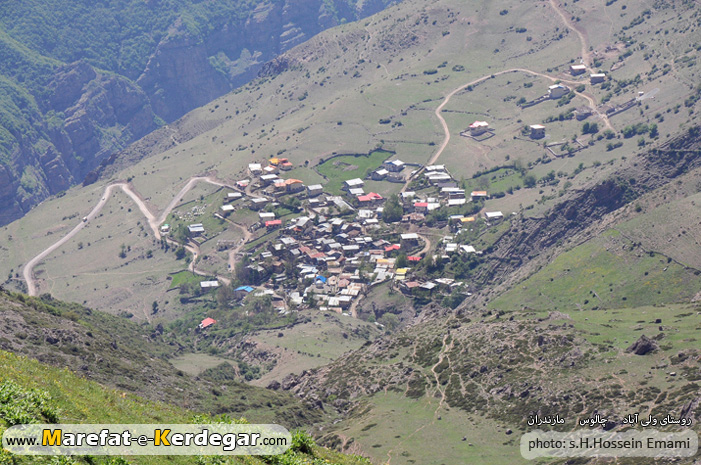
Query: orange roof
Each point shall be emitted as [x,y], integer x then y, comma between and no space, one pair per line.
[207,322]
[273,223]
[478,194]
[292,181]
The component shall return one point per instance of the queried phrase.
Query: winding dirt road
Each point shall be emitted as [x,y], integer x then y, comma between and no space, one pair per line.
[154,223]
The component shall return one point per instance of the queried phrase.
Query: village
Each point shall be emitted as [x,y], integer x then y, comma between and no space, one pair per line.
[332,249]
[336,247]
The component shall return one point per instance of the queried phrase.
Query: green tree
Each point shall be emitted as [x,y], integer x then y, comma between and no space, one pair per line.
[392,211]
[529,181]
[402,260]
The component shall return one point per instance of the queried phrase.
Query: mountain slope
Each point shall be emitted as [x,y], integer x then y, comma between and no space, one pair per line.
[82,81]
[36,393]
[115,352]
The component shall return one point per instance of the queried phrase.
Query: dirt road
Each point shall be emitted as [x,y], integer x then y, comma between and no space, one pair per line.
[154,223]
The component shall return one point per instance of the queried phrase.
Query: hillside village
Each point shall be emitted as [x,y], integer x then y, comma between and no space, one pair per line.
[332,249]
[327,251]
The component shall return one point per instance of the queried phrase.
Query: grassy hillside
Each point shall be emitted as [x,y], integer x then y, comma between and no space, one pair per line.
[132,359]
[467,383]
[34,393]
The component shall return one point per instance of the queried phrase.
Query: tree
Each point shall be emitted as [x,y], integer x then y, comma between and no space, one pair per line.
[392,211]
[402,260]
[529,181]
[390,321]
[180,253]
[225,295]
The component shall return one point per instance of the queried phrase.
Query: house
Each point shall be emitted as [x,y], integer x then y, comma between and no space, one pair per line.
[209,284]
[537,131]
[421,207]
[478,128]
[266,216]
[314,190]
[242,291]
[226,209]
[434,168]
[467,249]
[409,240]
[269,179]
[195,229]
[429,286]
[457,202]
[437,178]
[272,224]
[479,195]
[356,191]
[494,215]
[271,169]
[557,91]
[257,203]
[578,69]
[380,174]
[242,184]
[353,184]
[370,199]
[231,196]
[395,166]
[408,196]
[207,322]
[408,287]
[582,113]
[165,229]
[293,186]
[596,78]
[453,192]
[286,166]
[255,169]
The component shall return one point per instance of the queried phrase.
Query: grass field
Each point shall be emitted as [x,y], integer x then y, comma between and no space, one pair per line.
[340,169]
[194,364]
[605,272]
[378,434]
[324,338]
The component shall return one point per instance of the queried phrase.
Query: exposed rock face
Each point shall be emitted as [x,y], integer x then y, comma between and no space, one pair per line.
[187,71]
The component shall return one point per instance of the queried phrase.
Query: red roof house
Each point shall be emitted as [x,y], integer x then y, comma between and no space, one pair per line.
[206,323]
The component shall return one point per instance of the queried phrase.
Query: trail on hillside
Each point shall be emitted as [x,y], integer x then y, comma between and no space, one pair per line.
[570,25]
[442,355]
[154,223]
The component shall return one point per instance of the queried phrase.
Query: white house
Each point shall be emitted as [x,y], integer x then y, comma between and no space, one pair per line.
[353,183]
[255,168]
[577,69]
[479,127]
[557,91]
[537,131]
[596,78]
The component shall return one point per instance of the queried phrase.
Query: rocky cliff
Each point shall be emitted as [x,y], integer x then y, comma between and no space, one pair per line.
[81,115]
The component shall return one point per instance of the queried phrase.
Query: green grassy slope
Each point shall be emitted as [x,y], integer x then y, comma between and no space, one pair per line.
[467,384]
[131,358]
[34,393]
